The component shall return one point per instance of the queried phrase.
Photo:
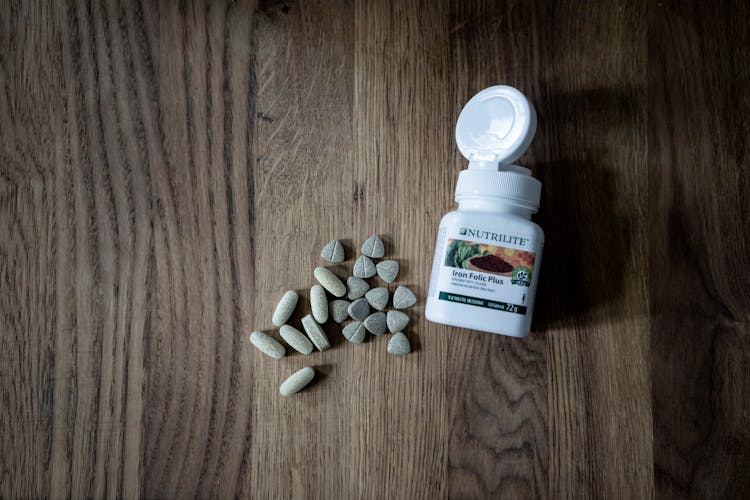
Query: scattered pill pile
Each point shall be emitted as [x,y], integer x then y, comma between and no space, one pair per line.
[366,308]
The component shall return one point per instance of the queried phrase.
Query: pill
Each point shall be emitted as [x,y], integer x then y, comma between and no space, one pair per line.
[339,310]
[364,268]
[316,333]
[375,323]
[359,309]
[399,344]
[296,339]
[297,381]
[373,247]
[357,287]
[387,270]
[396,321]
[377,298]
[403,298]
[319,304]
[355,332]
[267,345]
[330,281]
[285,307]
[333,251]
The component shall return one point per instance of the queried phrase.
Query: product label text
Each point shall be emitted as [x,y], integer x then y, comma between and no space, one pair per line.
[485,278]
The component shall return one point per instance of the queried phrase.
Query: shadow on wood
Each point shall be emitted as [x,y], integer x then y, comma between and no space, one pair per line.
[585,206]
[586,247]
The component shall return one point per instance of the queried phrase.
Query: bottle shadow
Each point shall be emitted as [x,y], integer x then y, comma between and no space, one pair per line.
[588,245]
[585,138]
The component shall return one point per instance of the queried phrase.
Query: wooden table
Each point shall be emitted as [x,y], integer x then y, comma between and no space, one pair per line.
[168,169]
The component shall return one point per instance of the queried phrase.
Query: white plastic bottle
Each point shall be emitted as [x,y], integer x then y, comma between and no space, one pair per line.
[488,251]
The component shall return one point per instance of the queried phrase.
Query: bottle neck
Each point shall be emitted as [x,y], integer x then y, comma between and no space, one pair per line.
[497,205]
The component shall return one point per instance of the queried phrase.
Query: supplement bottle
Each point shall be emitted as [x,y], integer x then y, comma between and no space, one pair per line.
[488,251]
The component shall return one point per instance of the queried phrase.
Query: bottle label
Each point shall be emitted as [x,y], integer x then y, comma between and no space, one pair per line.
[436,263]
[483,268]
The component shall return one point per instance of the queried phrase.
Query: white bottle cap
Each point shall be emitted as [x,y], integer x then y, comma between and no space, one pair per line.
[493,130]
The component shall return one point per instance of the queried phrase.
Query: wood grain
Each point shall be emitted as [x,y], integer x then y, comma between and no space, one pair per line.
[168,169]
[700,296]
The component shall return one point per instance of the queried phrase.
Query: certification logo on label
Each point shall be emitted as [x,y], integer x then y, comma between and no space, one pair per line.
[521,276]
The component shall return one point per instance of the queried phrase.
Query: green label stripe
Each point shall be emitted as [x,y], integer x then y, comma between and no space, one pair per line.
[488,304]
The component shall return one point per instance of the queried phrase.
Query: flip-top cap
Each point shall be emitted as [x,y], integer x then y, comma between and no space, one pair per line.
[495,127]
[493,130]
